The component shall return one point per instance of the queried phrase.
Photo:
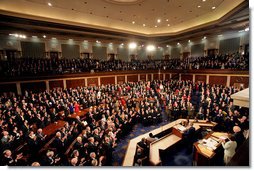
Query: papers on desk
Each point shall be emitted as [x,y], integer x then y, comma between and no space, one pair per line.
[205,150]
[180,128]
[220,135]
[210,143]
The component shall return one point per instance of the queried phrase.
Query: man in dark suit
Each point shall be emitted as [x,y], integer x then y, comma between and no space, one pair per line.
[190,137]
[238,134]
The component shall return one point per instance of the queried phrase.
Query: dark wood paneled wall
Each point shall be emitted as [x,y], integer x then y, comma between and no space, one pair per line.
[187,77]
[75,83]
[158,76]
[92,81]
[8,88]
[120,79]
[167,76]
[149,77]
[200,78]
[132,78]
[33,86]
[222,80]
[56,84]
[143,77]
[239,79]
[107,80]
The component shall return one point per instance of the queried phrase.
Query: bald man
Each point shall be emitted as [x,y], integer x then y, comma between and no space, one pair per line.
[238,134]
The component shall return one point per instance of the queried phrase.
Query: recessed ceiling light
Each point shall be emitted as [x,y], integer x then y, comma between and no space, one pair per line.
[203,0]
[247,29]
[144,25]
[204,37]
[132,45]
[133,22]
[155,26]
[166,19]
[168,25]
[189,41]
[159,20]
[199,6]
[178,43]
[49,4]
[150,48]
[167,46]
[213,7]
[44,36]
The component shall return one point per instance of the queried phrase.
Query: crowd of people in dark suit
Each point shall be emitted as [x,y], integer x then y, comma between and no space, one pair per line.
[113,110]
[33,66]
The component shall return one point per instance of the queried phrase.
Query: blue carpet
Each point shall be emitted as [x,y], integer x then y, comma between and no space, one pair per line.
[138,129]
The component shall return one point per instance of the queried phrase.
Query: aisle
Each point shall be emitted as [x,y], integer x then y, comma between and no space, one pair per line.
[138,129]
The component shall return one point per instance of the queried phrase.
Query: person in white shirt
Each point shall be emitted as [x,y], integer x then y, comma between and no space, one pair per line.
[229,149]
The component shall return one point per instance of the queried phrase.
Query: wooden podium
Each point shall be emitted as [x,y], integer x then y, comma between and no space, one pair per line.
[206,150]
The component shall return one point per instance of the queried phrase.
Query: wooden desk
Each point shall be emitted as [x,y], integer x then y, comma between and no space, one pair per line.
[131,150]
[161,144]
[203,155]
[52,128]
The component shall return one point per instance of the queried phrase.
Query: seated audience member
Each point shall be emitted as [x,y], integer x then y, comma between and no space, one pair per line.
[9,160]
[50,159]
[34,164]
[74,161]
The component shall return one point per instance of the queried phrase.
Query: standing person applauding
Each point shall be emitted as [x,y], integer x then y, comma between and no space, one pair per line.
[229,149]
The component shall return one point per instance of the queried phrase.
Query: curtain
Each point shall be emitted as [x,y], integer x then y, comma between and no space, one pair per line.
[33,49]
[100,53]
[229,45]
[175,52]
[197,50]
[123,54]
[70,51]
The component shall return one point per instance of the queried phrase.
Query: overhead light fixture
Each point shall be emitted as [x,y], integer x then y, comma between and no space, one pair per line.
[247,29]
[44,36]
[220,35]
[155,26]
[18,35]
[132,45]
[49,4]
[178,43]
[166,19]
[167,46]
[199,6]
[203,0]
[150,48]
[133,22]
[144,25]
[122,44]
[189,41]
[204,37]
[168,25]
[159,20]
[213,8]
